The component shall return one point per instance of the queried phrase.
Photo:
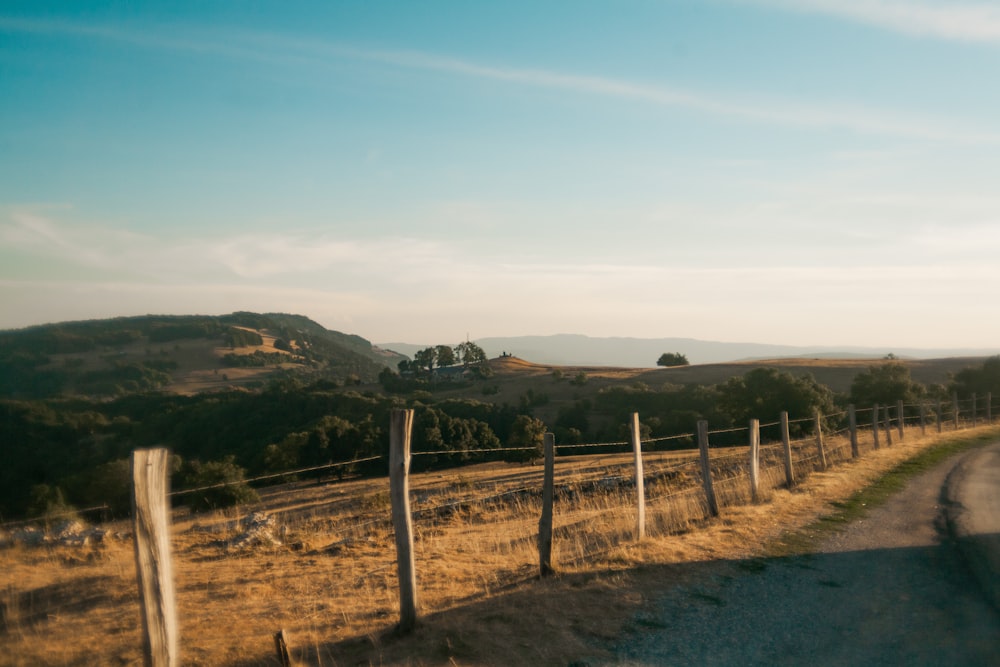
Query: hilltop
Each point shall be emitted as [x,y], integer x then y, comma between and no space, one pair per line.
[180,354]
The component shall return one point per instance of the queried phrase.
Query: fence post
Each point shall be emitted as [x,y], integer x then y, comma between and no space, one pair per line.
[937,416]
[887,421]
[151,524]
[755,459]
[640,492]
[923,418]
[787,445]
[989,408]
[545,523]
[706,468]
[954,408]
[974,410]
[875,426]
[401,426]
[820,449]
[852,423]
[901,418]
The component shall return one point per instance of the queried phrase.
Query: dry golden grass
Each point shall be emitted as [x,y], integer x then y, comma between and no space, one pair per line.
[332,584]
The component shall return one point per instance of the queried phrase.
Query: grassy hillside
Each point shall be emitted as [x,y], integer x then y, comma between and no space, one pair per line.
[181,354]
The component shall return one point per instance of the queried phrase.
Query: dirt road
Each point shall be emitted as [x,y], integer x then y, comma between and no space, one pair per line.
[892,589]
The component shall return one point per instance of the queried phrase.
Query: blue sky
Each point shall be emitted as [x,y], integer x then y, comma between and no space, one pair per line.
[811,172]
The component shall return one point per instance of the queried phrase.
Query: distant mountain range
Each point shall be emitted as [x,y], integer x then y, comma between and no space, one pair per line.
[579,350]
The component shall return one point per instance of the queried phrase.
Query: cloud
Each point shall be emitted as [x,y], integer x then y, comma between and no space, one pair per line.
[948,20]
[280,49]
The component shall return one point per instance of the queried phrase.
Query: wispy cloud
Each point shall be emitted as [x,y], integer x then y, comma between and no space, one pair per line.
[280,49]
[959,21]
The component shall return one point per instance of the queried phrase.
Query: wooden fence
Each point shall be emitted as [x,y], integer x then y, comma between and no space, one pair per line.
[796,458]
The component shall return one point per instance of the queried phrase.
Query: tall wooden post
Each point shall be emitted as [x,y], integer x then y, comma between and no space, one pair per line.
[852,425]
[923,418]
[151,524]
[974,410]
[937,416]
[706,468]
[900,419]
[400,429]
[545,523]
[755,459]
[989,408]
[786,442]
[875,426]
[640,492]
[954,408]
[887,421]
[820,449]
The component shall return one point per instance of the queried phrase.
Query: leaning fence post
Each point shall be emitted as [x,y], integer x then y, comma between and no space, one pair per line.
[755,459]
[974,410]
[640,492]
[989,408]
[151,524]
[852,424]
[954,408]
[887,421]
[787,446]
[875,426]
[820,449]
[706,468]
[401,426]
[900,416]
[545,523]
[937,416]
[923,418]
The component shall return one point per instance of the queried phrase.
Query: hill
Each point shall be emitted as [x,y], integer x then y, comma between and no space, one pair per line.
[577,350]
[180,354]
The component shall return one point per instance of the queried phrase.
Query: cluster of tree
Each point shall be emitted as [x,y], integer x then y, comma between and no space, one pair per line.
[672,359]
[468,355]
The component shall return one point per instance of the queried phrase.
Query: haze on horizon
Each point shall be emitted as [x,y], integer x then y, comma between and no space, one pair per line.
[801,172]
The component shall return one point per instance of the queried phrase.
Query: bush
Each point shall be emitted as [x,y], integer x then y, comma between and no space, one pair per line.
[233,489]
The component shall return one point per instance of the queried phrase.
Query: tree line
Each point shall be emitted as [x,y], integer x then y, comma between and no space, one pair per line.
[65,452]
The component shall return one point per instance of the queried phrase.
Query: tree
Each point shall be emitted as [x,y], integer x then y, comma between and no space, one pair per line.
[445,355]
[425,358]
[982,381]
[764,393]
[528,433]
[672,359]
[474,358]
[885,384]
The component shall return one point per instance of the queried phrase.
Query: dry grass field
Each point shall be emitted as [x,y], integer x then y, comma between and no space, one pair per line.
[328,577]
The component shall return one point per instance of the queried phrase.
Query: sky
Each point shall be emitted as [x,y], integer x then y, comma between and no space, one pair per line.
[803,172]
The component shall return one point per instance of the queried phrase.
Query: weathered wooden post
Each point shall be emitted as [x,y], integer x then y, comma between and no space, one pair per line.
[923,418]
[151,525]
[900,419]
[755,460]
[989,408]
[852,424]
[887,421]
[954,408]
[640,492]
[875,425]
[545,523]
[706,468]
[786,443]
[820,449]
[400,429]
[281,643]
[937,416]
[974,410]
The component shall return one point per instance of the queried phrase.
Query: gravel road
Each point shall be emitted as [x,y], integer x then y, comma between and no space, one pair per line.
[892,589]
